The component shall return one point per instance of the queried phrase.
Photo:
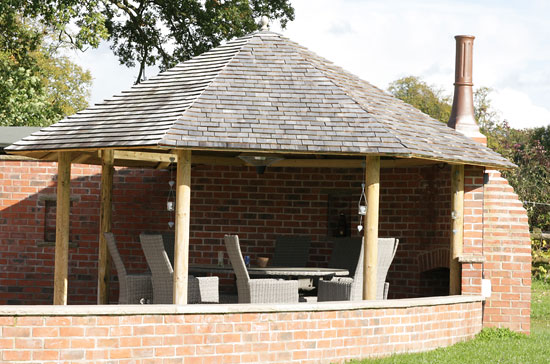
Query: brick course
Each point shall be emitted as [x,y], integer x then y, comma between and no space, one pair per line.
[324,336]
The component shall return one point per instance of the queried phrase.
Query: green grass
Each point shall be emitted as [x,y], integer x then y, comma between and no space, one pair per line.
[494,346]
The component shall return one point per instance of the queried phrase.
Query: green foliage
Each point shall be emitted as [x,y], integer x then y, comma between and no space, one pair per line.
[38,86]
[531,180]
[540,257]
[495,333]
[426,98]
[146,32]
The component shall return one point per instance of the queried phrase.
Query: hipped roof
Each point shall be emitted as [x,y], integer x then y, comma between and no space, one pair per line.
[262,92]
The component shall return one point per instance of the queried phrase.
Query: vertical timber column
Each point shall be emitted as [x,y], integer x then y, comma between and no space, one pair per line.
[457,228]
[105,216]
[62,228]
[181,251]
[372,182]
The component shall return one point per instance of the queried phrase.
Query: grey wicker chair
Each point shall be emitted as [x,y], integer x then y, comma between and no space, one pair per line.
[199,289]
[291,251]
[132,288]
[351,289]
[258,290]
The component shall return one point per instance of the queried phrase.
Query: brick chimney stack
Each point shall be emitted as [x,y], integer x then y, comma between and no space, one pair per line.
[462,115]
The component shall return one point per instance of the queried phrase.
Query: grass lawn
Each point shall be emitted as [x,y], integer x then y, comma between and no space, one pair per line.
[494,346]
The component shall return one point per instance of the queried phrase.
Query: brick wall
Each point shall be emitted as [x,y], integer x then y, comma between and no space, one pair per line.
[507,247]
[414,206]
[252,336]
[295,201]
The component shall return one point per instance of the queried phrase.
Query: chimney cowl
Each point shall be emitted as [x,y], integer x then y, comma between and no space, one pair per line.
[462,117]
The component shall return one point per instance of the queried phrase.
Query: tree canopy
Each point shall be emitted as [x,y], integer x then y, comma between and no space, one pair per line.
[419,94]
[38,85]
[151,32]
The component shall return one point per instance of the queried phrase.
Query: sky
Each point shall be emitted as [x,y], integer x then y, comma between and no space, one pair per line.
[382,41]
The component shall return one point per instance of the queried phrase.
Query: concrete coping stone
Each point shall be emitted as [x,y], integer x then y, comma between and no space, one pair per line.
[471,259]
[197,309]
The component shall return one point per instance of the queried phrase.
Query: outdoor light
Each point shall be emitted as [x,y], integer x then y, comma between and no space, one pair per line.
[362,207]
[170,203]
[260,161]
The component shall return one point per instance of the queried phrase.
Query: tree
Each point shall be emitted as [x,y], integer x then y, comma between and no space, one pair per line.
[38,86]
[148,32]
[427,99]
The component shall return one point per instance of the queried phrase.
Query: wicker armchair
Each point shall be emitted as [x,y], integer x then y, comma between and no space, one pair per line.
[258,290]
[351,289]
[132,288]
[291,251]
[199,289]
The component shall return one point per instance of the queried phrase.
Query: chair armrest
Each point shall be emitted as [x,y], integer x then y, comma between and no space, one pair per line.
[334,290]
[140,288]
[273,291]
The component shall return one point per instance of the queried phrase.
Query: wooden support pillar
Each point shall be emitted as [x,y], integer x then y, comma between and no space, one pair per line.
[372,182]
[181,249]
[457,228]
[62,228]
[105,214]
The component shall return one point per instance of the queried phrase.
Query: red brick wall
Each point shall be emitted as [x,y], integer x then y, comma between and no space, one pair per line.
[415,207]
[507,247]
[327,336]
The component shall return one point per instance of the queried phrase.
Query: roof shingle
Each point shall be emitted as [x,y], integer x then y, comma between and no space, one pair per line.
[261,92]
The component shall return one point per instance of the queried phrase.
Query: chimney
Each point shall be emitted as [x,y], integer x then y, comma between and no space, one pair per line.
[462,114]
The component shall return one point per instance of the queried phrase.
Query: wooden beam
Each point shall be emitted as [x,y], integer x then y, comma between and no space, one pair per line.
[62,228]
[219,161]
[82,158]
[145,156]
[105,214]
[181,249]
[372,181]
[457,228]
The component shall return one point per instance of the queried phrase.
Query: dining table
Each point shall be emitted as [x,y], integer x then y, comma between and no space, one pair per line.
[273,272]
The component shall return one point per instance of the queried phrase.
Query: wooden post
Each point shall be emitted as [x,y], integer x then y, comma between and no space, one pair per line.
[181,249]
[457,228]
[105,213]
[62,228]
[372,181]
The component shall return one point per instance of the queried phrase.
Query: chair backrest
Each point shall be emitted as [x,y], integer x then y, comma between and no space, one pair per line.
[386,252]
[161,269]
[169,239]
[344,254]
[357,285]
[237,262]
[115,256]
[291,251]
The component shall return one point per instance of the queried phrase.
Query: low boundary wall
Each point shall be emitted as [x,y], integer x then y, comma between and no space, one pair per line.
[298,333]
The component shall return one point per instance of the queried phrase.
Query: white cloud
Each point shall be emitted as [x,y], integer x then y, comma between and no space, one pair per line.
[518,109]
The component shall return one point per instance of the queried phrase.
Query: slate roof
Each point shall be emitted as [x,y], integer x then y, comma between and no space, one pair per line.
[261,92]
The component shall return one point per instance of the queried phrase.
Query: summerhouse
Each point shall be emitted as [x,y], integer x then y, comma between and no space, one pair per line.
[263,137]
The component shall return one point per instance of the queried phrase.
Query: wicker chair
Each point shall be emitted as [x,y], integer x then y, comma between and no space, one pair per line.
[199,289]
[351,289]
[132,288]
[258,290]
[291,251]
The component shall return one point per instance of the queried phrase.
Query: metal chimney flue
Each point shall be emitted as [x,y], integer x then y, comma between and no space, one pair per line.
[462,114]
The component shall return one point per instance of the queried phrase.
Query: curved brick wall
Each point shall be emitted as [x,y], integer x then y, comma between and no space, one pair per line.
[303,333]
